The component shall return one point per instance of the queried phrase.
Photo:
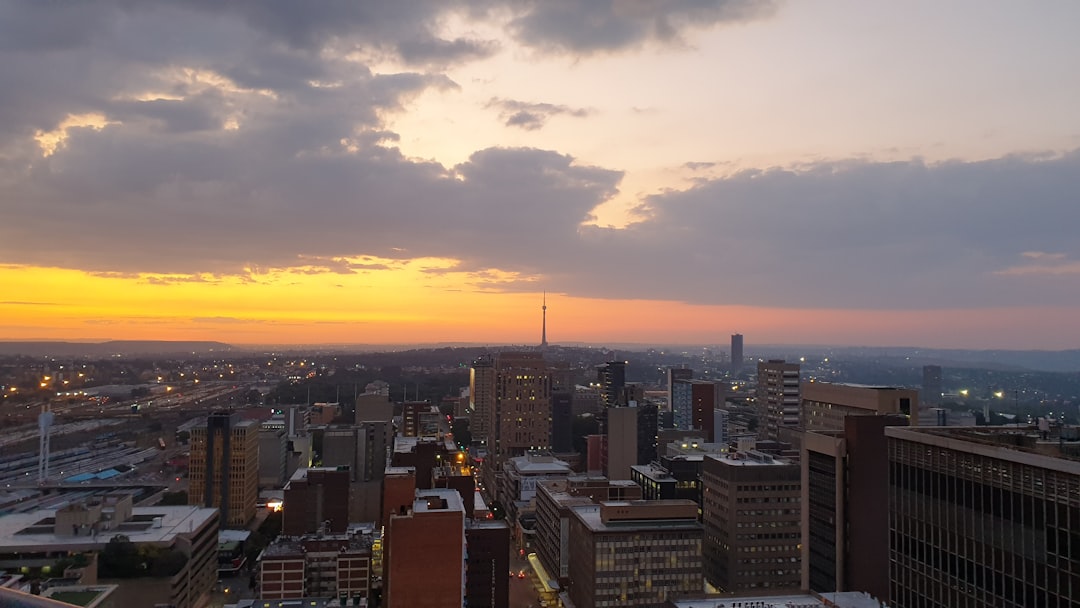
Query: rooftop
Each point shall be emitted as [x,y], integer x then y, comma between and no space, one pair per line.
[34,531]
[850,599]
[1022,444]
[752,458]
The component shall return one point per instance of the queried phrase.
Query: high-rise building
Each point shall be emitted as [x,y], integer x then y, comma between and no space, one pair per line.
[931,385]
[752,521]
[648,427]
[223,469]
[373,406]
[675,374]
[433,527]
[778,397]
[481,398]
[313,501]
[634,553]
[521,418]
[693,403]
[611,377]
[273,456]
[983,517]
[825,404]
[845,482]
[621,447]
[562,421]
[363,447]
[736,352]
[488,544]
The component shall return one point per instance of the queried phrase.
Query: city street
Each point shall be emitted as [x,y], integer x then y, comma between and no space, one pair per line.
[523,593]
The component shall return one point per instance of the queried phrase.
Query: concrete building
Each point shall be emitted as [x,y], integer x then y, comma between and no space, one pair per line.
[670,478]
[521,420]
[752,521]
[736,352]
[554,500]
[337,566]
[363,447]
[488,544]
[825,405]
[373,406]
[482,398]
[983,517]
[648,428]
[931,385]
[315,502]
[674,374]
[434,528]
[223,469]
[611,377]
[518,490]
[273,456]
[778,398]
[693,402]
[621,446]
[845,482]
[40,538]
[634,553]
[562,421]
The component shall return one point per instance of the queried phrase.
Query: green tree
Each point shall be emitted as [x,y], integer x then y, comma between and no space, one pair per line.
[120,559]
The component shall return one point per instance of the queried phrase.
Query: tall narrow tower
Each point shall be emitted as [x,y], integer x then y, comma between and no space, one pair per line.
[543,328]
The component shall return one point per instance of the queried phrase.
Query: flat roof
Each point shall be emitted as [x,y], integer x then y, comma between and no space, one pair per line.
[33,532]
[731,459]
[590,516]
[981,440]
[450,496]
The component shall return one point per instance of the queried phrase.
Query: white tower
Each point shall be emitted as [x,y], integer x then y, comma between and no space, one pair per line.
[45,420]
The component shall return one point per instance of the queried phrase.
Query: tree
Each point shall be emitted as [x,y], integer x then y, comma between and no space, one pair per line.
[120,559]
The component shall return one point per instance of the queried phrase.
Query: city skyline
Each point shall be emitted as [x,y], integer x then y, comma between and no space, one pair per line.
[425,172]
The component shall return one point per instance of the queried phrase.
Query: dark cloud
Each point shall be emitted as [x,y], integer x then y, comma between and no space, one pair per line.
[697,166]
[585,27]
[532,116]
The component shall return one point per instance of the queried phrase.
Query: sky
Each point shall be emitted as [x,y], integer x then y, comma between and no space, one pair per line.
[420,171]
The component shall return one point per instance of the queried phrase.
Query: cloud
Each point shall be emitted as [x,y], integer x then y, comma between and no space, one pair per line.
[588,27]
[1041,263]
[698,166]
[532,116]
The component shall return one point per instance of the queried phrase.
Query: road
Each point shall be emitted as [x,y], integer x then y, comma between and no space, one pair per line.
[523,593]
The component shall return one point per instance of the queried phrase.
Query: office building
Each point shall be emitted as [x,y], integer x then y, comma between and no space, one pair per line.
[931,385]
[316,501]
[488,547]
[363,447]
[634,553]
[223,470]
[319,565]
[562,421]
[273,456]
[611,377]
[38,539]
[750,510]
[621,445]
[373,406]
[825,405]
[554,500]
[670,478]
[736,352]
[674,374]
[694,402]
[983,517]
[522,415]
[481,398]
[648,427]
[433,530]
[721,419]
[518,489]
[845,483]
[778,397]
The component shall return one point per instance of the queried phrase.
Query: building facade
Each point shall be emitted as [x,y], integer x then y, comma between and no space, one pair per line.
[825,404]
[424,559]
[752,519]
[337,566]
[634,553]
[223,471]
[778,397]
[983,518]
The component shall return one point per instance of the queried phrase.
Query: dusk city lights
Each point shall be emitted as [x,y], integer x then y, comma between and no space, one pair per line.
[539,304]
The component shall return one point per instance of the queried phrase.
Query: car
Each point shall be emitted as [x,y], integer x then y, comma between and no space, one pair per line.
[521,574]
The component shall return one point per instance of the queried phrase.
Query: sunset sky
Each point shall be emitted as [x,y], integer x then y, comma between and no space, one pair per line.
[418,171]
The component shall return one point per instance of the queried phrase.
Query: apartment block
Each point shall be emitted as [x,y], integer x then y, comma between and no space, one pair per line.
[223,469]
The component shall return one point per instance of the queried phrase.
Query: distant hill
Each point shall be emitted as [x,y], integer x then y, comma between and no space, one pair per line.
[125,348]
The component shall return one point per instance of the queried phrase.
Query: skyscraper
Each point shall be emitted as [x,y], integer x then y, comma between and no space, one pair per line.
[931,385]
[224,466]
[778,397]
[521,417]
[481,398]
[736,352]
[985,518]
[612,379]
[674,374]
